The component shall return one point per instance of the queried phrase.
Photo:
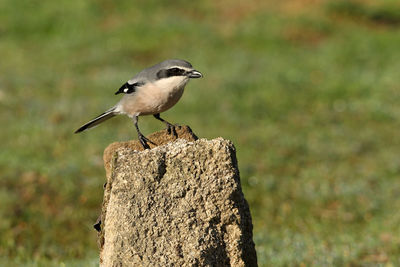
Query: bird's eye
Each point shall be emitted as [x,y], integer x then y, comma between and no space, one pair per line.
[175,70]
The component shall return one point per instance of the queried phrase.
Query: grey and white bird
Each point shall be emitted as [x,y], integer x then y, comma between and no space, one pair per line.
[150,92]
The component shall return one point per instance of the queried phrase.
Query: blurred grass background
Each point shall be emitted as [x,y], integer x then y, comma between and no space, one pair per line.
[308,90]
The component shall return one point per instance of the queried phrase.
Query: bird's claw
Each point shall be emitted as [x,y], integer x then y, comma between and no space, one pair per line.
[144,141]
[171,129]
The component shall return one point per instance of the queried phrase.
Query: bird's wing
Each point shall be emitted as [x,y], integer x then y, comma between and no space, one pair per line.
[143,77]
[128,87]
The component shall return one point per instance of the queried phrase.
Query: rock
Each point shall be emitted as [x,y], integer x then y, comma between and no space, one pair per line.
[178,204]
[158,138]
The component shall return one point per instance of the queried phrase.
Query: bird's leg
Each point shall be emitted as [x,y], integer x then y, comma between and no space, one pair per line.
[170,127]
[143,140]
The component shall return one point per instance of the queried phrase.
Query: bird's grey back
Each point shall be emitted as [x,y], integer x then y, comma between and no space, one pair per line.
[150,74]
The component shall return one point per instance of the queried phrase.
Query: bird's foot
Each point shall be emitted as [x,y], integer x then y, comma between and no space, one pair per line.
[171,129]
[144,141]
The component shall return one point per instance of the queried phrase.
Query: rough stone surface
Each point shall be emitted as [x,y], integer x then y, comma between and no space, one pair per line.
[158,139]
[178,204]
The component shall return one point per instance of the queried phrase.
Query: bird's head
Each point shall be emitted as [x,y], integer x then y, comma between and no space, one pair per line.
[177,68]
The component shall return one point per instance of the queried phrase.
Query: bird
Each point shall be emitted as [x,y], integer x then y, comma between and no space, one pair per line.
[150,92]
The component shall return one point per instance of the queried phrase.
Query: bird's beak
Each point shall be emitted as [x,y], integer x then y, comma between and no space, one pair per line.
[194,74]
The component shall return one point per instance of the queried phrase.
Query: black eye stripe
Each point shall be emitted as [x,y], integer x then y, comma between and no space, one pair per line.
[175,72]
[165,73]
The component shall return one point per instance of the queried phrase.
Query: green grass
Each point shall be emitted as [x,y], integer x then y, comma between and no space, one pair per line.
[309,97]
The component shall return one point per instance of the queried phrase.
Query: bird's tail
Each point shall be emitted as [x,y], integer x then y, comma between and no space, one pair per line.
[99,119]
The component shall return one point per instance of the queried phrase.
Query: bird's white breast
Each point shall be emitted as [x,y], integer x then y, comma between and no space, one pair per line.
[155,97]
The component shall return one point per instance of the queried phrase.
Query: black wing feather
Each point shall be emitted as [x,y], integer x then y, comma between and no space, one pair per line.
[127,88]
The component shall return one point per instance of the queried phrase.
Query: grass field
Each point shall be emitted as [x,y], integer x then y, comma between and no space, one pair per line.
[308,90]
